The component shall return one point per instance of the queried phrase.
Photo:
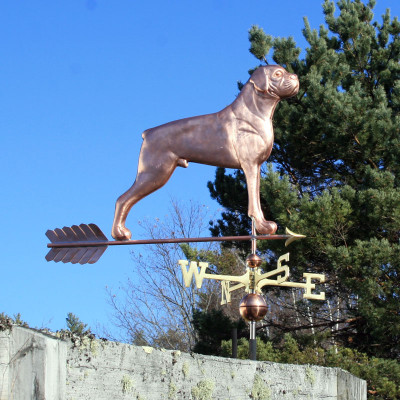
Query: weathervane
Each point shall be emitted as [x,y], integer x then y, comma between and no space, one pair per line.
[239,136]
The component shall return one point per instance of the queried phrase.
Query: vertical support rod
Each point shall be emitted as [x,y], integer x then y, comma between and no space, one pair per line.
[253,234]
[253,342]
[234,343]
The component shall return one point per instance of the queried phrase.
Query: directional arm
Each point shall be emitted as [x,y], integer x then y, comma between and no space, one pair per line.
[251,279]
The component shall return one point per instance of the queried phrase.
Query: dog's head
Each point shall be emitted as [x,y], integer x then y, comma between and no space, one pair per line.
[275,81]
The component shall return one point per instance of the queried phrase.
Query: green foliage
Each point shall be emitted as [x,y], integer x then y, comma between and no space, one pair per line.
[265,350]
[76,326]
[7,321]
[18,320]
[382,375]
[211,327]
[336,176]
[220,260]
[260,43]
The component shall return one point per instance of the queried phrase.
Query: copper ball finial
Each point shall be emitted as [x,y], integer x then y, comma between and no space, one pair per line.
[254,261]
[253,307]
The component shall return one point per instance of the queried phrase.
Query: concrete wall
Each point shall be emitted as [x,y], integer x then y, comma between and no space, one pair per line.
[38,366]
[32,365]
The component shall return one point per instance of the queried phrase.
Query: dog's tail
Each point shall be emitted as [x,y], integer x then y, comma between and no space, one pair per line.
[145,133]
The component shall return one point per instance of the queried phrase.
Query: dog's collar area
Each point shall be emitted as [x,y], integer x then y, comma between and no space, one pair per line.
[262,92]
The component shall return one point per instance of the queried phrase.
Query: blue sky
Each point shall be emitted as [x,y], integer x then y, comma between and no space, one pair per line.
[80,80]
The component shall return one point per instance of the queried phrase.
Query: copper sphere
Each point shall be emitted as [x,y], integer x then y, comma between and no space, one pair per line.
[253,307]
[253,261]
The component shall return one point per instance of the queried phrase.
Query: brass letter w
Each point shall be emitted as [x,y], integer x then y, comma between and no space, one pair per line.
[193,270]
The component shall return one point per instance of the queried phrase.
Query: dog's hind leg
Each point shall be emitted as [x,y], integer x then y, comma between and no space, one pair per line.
[153,172]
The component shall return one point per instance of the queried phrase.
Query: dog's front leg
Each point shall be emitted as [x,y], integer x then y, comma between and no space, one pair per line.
[252,173]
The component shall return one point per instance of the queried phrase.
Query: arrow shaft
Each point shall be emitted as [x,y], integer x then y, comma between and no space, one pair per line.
[160,241]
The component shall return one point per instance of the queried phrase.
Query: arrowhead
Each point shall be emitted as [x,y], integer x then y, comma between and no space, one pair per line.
[293,236]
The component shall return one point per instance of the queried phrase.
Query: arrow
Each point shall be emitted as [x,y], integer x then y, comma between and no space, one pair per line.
[85,244]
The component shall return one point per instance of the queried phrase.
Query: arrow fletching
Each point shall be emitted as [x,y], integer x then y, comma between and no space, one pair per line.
[94,244]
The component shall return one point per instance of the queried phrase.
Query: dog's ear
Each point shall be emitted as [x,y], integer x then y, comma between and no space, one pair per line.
[260,78]
[266,79]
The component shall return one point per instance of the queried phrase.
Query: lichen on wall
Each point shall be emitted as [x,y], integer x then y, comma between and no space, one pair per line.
[310,375]
[185,369]
[203,390]
[260,390]
[172,391]
[127,384]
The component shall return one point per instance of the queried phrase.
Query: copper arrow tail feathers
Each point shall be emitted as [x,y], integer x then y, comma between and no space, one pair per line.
[82,233]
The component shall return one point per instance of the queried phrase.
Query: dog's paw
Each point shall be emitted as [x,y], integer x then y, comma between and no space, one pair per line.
[121,233]
[266,227]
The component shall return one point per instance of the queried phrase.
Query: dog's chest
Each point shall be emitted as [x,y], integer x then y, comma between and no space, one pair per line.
[258,127]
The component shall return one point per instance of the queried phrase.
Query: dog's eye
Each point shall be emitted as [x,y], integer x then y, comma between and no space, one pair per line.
[278,74]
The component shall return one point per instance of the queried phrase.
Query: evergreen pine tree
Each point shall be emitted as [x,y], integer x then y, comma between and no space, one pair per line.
[76,326]
[336,175]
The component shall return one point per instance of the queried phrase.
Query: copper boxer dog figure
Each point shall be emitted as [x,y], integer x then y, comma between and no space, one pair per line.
[239,136]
